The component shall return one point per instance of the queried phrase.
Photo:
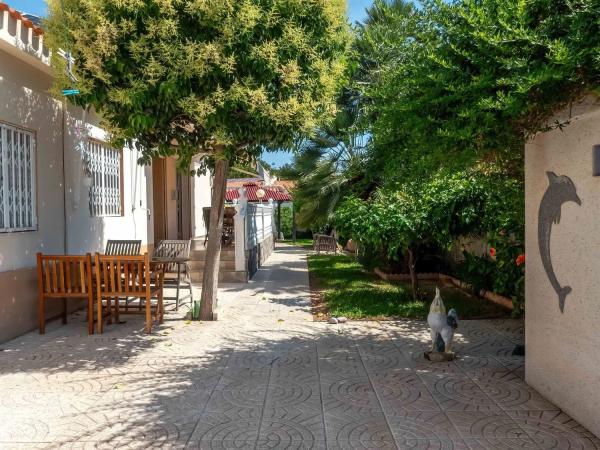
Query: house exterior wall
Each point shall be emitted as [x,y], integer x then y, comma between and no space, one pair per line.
[24,102]
[90,234]
[563,348]
[201,188]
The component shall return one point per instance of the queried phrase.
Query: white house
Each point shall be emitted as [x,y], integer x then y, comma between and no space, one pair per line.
[63,189]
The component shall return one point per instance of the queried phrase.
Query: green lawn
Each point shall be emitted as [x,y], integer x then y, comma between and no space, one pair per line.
[306,243]
[349,290]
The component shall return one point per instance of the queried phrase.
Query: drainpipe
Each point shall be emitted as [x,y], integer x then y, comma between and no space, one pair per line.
[64,176]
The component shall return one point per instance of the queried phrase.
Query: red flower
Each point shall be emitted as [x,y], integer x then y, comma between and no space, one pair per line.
[492,252]
[520,259]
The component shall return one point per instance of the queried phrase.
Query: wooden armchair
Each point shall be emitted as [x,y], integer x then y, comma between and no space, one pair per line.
[125,276]
[119,247]
[65,277]
[176,254]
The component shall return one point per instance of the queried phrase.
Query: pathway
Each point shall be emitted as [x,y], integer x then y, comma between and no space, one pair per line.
[266,376]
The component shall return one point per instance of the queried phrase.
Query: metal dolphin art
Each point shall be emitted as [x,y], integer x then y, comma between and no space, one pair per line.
[561,190]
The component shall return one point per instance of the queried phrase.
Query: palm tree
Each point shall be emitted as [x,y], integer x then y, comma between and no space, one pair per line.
[332,163]
[326,165]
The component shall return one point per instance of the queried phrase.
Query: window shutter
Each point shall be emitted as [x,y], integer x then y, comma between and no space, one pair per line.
[106,172]
[17,179]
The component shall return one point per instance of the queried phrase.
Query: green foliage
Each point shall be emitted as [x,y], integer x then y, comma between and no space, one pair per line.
[306,243]
[326,166]
[477,272]
[473,79]
[451,91]
[350,291]
[204,76]
[286,222]
[435,211]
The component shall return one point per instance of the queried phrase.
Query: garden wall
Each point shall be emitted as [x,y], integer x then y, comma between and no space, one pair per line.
[563,250]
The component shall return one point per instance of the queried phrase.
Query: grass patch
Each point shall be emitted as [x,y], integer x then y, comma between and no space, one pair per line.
[347,289]
[305,243]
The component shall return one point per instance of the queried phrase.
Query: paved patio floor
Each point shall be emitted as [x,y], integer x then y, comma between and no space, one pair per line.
[266,376]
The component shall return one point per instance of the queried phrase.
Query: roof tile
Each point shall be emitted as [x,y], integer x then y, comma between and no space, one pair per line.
[18,16]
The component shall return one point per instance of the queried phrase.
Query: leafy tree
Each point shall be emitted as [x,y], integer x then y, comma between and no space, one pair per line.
[325,166]
[286,222]
[471,80]
[454,87]
[435,212]
[216,78]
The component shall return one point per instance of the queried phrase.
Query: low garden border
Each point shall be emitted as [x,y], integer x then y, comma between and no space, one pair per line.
[488,295]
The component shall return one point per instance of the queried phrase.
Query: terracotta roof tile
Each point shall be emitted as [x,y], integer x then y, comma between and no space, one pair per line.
[18,16]
[276,193]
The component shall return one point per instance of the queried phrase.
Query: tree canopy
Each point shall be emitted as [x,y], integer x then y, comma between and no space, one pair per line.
[183,76]
[450,92]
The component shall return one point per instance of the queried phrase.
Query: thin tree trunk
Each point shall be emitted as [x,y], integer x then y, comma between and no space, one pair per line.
[210,280]
[412,267]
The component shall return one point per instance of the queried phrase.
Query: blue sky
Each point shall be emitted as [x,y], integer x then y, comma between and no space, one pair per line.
[356,8]
[37,7]
[356,12]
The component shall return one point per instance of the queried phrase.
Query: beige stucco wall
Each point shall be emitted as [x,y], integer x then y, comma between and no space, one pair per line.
[24,102]
[563,349]
[201,189]
[89,234]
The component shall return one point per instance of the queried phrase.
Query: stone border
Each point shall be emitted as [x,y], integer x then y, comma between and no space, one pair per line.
[488,295]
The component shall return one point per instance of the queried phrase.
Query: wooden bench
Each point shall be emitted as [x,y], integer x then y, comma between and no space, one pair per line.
[324,243]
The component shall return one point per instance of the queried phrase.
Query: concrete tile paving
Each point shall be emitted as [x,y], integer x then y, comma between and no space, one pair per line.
[265,376]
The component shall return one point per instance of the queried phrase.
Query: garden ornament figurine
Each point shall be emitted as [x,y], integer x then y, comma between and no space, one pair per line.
[442,328]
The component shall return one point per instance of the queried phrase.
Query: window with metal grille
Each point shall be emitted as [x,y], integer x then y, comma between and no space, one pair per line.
[17,179]
[105,166]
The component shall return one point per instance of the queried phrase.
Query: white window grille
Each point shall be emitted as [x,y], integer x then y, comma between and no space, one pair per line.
[104,164]
[17,179]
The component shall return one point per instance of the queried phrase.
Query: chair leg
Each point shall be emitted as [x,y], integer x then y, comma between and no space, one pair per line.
[148,314]
[178,284]
[100,323]
[42,314]
[161,305]
[64,311]
[117,310]
[191,293]
[188,279]
[90,314]
[109,309]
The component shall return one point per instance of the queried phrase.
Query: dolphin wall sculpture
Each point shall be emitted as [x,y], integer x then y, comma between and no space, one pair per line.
[561,190]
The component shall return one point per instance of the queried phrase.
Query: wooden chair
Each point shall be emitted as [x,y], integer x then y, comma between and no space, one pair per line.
[65,277]
[176,249]
[126,276]
[120,247]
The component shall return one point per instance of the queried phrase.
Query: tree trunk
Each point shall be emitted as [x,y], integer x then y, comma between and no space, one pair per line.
[412,267]
[210,280]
